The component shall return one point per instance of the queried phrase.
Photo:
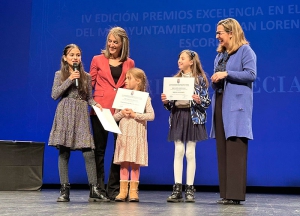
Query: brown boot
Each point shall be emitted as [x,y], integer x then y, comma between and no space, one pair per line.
[122,196]
[134,191]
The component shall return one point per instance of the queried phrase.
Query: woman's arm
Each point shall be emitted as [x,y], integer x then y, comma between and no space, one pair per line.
[247,59]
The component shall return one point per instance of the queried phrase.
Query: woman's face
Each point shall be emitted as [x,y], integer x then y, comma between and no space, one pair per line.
[114,45]
[223,36]
[73,56]
[184,62]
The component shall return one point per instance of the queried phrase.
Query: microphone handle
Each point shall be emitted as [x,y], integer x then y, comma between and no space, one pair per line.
[76,80]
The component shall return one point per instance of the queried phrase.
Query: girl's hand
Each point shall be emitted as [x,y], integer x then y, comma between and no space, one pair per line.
[196,98]
[132,114]
[99,106]
[164,98]
[126,112]
[74,75]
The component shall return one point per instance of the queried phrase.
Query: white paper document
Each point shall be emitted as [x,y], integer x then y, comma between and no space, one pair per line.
[107,120]
[177,88]
[135,100]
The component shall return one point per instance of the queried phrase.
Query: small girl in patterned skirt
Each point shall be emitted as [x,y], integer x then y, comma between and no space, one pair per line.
[131,146]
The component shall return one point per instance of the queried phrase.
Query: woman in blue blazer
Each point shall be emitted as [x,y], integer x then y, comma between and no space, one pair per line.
[232,104]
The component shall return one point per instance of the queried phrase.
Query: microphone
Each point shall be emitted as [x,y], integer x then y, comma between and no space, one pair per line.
[75,68]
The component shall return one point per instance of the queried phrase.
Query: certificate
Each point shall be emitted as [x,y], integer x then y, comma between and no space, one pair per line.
[107,120]
[177,88]
[135,100]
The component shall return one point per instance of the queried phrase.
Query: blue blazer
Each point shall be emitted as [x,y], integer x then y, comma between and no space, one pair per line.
[237,101]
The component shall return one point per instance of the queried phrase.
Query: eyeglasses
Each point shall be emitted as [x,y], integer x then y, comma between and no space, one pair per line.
[220,32]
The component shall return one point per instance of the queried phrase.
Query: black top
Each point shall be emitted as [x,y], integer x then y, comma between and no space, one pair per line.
[116,72]
[222,67]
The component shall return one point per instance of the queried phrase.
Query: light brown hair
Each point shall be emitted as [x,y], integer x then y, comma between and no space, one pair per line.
[139,74]
[118,32]
[196,67]
[238,37]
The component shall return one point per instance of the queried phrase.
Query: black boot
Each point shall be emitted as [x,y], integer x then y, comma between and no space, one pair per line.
[189,193]
[64,193]
[176,195]
[96,196]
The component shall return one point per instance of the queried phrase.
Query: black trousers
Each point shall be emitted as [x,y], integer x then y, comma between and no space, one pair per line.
[232,158]
[100,138]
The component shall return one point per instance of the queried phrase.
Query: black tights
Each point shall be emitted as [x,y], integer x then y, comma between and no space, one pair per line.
[63,164]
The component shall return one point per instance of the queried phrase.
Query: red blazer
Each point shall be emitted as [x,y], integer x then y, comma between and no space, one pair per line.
[103,83]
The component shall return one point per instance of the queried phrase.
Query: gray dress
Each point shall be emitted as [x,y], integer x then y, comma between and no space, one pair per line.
[71,126]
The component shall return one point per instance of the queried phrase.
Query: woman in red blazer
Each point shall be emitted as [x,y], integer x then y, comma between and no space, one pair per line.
[108,74]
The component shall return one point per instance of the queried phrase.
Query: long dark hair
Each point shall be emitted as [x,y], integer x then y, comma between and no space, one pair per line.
[65,70]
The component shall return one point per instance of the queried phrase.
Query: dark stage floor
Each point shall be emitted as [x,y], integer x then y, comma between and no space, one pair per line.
[151,203]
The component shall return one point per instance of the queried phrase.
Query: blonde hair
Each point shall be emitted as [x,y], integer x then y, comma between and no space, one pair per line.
[118,32]
[238,37]
[139,74]
[196,67]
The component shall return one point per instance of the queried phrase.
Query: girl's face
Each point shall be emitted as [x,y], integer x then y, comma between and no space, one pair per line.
[73,56]
[131,83]
[114,45]
[184,62]
[223,36]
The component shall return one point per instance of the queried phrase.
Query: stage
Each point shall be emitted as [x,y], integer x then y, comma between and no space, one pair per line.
[151,203]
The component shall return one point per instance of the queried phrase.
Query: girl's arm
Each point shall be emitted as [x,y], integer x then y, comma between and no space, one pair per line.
[149,112]
[119,114]
[59,87]
[90,93]
[202,91]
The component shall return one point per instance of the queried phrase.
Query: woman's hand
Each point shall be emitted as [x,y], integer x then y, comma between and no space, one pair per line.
[99,106]
[196,98]
[216,77]
[164,98]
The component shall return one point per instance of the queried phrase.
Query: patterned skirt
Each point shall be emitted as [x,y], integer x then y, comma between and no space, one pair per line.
[182,127]
[71,126]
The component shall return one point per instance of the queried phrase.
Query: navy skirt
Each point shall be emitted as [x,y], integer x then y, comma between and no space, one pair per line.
[182,127]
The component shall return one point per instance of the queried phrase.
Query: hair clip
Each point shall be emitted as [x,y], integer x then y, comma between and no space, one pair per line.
[192,53]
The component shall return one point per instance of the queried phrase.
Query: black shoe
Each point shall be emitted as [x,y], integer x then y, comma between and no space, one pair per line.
[64,193]
[96,196]
[113,197]
[232,202]
[176,195]
[189,193]
[222,201]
